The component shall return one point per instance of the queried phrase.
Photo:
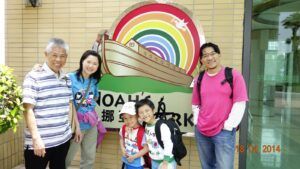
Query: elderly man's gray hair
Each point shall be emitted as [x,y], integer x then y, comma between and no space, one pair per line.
[56,42]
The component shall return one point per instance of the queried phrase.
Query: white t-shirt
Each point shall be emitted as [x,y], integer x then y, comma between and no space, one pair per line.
[156,152]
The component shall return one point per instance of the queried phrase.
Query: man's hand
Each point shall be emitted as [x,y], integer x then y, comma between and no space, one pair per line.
[37,142]
[37,67]
[38,147]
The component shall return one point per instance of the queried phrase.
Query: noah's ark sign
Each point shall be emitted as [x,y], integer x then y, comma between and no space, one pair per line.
[152,50]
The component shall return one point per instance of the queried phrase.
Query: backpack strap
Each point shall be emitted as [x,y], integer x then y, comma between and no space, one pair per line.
[200,77]
[123,131]
[140,135]
[157,132]
[229,79]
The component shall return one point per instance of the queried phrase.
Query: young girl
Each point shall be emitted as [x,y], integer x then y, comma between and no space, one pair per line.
[85,92]
[162,158]
[132,138]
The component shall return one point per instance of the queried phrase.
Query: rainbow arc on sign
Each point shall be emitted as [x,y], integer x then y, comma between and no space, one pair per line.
[164,29]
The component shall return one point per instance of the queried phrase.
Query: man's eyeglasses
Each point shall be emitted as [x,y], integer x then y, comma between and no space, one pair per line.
[208,54]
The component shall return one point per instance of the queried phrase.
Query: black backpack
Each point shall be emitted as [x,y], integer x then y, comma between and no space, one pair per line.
[228,79]
[179,150]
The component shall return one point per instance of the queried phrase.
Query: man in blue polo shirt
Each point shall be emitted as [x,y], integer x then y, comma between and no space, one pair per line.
[47,96]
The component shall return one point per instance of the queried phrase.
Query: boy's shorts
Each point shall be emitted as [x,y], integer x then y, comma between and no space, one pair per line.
[131,167]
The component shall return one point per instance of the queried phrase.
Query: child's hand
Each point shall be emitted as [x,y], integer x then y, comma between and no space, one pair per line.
[124,152]
[164,165]
[130,158]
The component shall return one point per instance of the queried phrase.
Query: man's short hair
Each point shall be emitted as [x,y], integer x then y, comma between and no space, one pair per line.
[56,42]
[211,45]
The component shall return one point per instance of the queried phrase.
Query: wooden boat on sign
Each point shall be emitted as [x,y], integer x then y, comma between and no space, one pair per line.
[133,59]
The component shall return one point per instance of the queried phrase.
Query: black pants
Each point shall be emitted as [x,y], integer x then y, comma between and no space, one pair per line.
[56,156]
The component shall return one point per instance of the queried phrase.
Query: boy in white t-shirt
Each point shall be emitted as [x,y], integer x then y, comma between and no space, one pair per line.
[132,138]
[162,158]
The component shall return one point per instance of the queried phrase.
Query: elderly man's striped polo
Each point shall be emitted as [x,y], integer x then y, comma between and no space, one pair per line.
[50,96]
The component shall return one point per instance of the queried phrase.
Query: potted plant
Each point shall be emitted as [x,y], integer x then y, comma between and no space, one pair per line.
[10,100]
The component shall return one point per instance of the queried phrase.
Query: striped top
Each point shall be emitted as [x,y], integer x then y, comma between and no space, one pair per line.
[50,96]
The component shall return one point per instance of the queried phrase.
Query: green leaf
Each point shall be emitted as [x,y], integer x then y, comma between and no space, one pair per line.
[15,129]
[14,111]
[10,100]
[15,120]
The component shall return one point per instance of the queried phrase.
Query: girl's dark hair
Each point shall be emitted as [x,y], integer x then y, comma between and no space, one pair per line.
[97,74]
[211,45]
[143,102]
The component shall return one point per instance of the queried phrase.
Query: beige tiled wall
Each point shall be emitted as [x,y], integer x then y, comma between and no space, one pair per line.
[11,149]
[77,22]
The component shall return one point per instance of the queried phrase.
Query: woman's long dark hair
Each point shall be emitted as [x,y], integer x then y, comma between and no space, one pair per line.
[97,74]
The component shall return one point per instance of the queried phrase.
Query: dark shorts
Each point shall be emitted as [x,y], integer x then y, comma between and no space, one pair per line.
[55,156]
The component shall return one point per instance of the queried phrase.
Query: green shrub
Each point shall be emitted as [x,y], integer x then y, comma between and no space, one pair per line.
[10,100]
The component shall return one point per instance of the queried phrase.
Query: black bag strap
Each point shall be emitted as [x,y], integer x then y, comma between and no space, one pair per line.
[228,79]
[200,77]
[158,123]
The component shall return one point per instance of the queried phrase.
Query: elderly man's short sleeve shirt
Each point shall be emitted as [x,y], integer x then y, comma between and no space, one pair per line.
[50,96]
